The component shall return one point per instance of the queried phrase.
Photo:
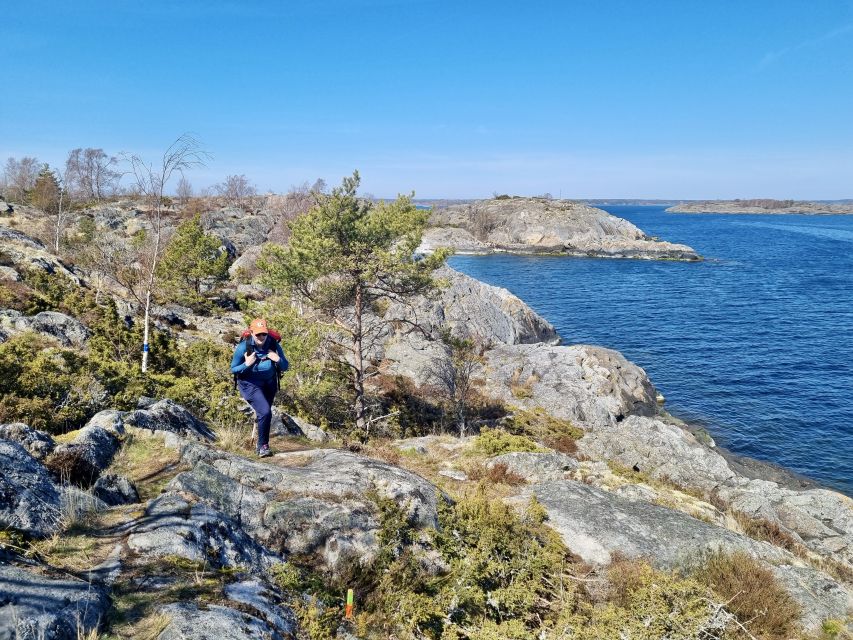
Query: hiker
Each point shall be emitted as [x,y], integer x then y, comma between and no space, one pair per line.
[257,364]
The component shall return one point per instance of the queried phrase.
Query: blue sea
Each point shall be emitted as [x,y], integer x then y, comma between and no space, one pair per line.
[755,343]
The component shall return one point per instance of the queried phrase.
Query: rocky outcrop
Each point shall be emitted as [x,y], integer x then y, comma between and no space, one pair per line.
[188,621]
[37,443]
[66,330]
[82,460]
[167,415]
[591,386]
[35,607]
[26,252]
[172,526]
[540,226]
[466,307]
[308,502]
[595,525]
[662,451]
[535,467]
[29,501]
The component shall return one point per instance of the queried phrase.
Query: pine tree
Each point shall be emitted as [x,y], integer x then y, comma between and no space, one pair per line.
[191,258]
[346,257]
[45,192]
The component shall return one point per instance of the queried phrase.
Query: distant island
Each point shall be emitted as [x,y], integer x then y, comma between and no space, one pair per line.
[765,206]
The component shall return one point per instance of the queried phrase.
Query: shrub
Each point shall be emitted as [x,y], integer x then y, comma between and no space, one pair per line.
[555,433]
[494,442]
[496,474]
[752,593]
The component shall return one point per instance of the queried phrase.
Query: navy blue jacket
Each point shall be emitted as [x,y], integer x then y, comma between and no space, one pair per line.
[263,370]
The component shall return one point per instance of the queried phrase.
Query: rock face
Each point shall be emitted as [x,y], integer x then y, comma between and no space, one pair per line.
[310,502]
[38,443]
[663,451]
[65,329]
[33,607]
[470,309]
[595,525]
[536,225]
[588,385]
[29,502]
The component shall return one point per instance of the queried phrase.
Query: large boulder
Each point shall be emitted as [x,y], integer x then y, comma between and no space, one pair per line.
[29,501]
[38,443]
[82,460]
[590,386]
[35,607]
[167,415]
[596,525]
[539,225]
[66,330]
[172,526]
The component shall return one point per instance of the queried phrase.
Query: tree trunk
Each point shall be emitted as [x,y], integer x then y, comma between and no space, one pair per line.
[358,373]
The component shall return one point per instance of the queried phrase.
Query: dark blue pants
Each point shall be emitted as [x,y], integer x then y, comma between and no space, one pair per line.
[260,397]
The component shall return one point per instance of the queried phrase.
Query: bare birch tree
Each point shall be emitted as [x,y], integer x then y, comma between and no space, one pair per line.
[150,180]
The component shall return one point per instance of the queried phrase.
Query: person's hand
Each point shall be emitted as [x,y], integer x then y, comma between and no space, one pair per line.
[272,355]
[250,359]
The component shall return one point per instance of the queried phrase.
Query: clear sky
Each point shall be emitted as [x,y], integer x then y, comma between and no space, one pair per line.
[449,98]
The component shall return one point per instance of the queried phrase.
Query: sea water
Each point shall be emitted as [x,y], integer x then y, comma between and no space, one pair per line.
[755,343]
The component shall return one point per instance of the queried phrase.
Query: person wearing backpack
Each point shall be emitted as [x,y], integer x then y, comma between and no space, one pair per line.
[257,364]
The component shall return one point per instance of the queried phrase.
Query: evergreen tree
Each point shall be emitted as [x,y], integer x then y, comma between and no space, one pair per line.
[46,191]
[191,258]
[346,257]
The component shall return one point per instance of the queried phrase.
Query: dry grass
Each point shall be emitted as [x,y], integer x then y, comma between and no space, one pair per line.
[767,531]
[146,461]
[522,389]
[753,594]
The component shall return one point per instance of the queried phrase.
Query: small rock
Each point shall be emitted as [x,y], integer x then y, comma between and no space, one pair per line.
[454,474]
[114,490]
[188,622]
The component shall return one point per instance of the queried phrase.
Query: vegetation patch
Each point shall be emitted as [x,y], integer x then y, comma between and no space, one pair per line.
[752,593]
[557,434]
[146,462]
[495,442]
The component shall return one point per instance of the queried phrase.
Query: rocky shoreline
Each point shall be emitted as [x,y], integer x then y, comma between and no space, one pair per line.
[629,481]
[544,227]
[768,207]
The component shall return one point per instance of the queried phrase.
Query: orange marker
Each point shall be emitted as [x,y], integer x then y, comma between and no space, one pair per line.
[348,614]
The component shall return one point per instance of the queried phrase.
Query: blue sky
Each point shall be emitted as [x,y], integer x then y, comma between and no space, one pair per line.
[604,98]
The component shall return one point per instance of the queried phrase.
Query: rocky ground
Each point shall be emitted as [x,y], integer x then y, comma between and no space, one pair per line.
[148,523]
[537,225]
